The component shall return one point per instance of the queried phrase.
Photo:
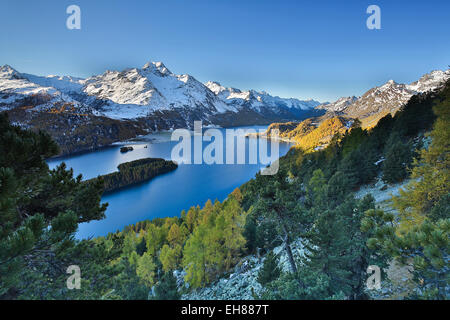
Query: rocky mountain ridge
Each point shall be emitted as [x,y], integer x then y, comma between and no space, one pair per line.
[317,132]
[387,98]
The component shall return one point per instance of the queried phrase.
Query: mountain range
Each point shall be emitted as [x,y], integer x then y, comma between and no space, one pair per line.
[139,92]
[83,114]
[384,99]
[88,113]
[315,133]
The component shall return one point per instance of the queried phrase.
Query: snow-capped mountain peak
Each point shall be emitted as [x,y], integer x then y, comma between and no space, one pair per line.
[7,72]
[135,93]
[389,85]
[15,87]
[339,105]
[156,67]
[429,81]
[215,87]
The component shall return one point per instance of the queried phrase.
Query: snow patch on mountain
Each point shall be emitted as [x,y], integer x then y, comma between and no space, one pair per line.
[61,83]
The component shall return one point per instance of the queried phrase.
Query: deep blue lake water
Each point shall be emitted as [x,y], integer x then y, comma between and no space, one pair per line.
[166,195]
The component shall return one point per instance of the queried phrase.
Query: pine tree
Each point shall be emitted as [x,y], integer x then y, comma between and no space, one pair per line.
[398,156]
[327,246]
[166,288]
[277,202]
[127,284]
[316,287]
[335,244]
[40,210]
[338,189]
[250,233]
[270,270]
[424,247]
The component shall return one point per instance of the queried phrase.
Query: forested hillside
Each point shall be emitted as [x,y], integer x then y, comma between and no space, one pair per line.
[136,171]
[311,199]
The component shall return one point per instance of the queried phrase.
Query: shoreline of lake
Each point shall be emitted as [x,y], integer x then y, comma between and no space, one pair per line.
[163,196]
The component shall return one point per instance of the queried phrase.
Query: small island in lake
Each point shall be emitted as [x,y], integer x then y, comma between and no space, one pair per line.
[126,149]
[136,171]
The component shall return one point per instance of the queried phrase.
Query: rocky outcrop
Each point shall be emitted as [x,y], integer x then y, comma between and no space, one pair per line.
[241,283]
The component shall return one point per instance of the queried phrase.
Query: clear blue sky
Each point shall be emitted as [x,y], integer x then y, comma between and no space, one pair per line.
[305,49]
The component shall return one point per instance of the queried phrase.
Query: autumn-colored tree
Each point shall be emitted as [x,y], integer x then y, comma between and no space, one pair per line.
[146,268]
[192,217]
[195,257]
[431,173]
[216,243]
[175,237]
[155,238]
[170,257]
